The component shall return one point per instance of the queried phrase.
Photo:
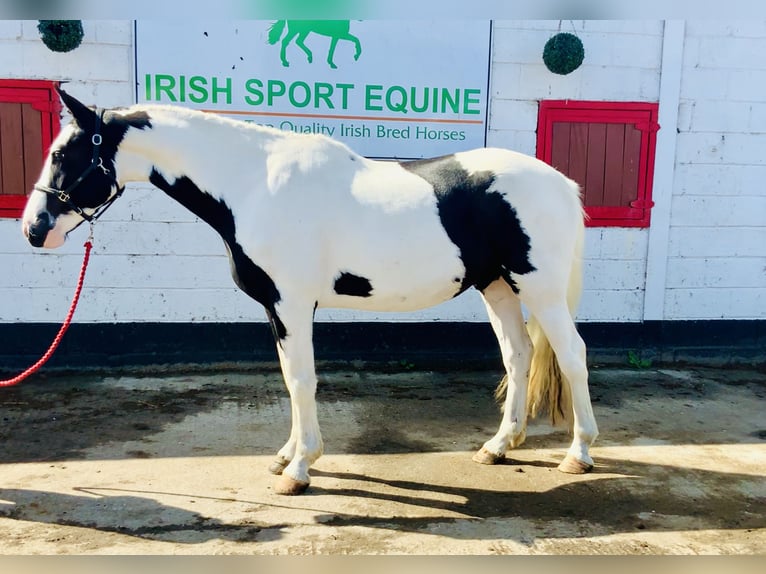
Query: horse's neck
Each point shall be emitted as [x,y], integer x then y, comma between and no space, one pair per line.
[185,144]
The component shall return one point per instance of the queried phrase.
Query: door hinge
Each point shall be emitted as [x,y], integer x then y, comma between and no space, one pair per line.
[651,127]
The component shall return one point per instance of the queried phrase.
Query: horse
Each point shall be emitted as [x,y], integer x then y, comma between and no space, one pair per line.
[308,223]
[335,29]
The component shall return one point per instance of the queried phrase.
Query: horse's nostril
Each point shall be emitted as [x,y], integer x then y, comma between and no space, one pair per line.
[38,229]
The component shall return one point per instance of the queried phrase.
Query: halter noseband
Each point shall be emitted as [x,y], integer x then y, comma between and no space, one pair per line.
[96,161]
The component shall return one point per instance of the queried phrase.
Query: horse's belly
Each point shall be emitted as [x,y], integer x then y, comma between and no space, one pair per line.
[395,285]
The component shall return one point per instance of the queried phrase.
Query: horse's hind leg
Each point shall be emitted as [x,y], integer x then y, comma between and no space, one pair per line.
[558,326]
[507,321]
[357,44]
[296,357]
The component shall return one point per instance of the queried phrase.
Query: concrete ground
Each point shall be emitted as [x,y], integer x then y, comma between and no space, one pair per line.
[177,464]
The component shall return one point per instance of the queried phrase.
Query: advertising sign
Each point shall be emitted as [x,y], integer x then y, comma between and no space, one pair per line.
[388,89]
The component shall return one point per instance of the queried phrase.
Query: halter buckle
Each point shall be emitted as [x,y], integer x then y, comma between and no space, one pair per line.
[102,166]
[96,139]
[63,196]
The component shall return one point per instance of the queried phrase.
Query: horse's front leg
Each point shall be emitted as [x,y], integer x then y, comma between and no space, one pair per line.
[331,52]
[300,42]
[296,357]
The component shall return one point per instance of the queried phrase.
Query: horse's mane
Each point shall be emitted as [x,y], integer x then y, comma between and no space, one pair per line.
[194,116]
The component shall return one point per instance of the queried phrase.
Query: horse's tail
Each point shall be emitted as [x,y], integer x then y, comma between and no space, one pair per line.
[275,31]
[548,391]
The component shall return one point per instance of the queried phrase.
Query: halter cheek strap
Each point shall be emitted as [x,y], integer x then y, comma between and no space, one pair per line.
[95,162]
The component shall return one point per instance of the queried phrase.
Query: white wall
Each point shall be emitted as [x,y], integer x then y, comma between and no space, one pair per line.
[155,262]
[717,247]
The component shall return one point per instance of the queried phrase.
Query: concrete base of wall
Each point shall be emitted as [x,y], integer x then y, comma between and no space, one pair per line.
[400,345]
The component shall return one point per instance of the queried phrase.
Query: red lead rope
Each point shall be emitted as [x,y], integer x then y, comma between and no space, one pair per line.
[36,367]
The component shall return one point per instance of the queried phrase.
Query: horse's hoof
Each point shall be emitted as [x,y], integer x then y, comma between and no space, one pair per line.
[572,465]
[289,486]
[278,465]
[483,456]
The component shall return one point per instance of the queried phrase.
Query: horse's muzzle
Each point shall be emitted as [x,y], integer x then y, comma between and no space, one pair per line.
[37,231]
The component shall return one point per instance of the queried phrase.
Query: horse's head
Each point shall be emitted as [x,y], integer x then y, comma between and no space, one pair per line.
[78,177]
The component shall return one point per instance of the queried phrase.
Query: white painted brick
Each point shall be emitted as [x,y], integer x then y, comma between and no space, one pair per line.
[638,51]
[161,272]
[519,46]
[614,274]
[732,53]
[548,25]
[135,305]
[755,28]
[685,112]
[146,203]
[700,273]
[505,80]
[639,27]
[593,242]
[718,211]
[718,180]
[114,94]
[624,243]
[704,84]
[520,141]
[35,270]
[717,116]
[10,30]
[113,32]
[468,307]
[601,48]
[513,114]
[723,303]
[29,30]
[11,59]
[621,84]
[757,118]
[747,85]
[153,238]
[537,82]
[730,148]
[611,306]
[717,242]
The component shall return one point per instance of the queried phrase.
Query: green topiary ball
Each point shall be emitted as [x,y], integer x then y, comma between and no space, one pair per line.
[563,53]
[61,35]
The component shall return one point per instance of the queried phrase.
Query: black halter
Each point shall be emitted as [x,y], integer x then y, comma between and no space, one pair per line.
[96,161]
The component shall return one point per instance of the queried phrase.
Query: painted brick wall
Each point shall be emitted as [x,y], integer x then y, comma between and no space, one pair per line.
[717,246]
[153,261]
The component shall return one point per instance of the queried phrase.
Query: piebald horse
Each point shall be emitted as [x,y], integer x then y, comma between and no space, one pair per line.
[308,223]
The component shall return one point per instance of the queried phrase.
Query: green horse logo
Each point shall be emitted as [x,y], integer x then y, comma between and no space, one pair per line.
[335,29]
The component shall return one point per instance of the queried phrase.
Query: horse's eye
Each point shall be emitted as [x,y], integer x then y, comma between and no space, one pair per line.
[57,155]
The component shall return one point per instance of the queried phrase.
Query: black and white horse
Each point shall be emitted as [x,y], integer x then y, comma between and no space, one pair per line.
[308,223]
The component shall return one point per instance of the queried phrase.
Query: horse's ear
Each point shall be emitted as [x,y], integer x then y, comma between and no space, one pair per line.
[85,116]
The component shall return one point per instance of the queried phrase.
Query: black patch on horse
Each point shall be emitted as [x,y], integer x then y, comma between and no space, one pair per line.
[482,224]
[353,285]
[247,275]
